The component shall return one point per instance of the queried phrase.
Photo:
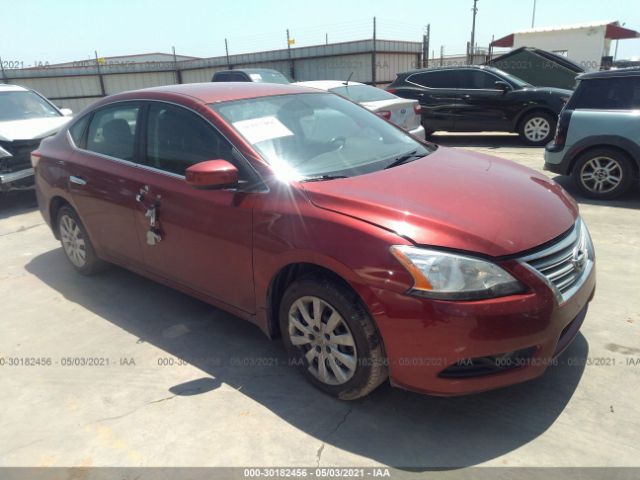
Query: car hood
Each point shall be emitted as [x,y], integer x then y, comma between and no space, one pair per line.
[31,129]
[455,199]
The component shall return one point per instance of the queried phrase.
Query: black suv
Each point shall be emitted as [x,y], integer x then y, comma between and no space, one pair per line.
[481,99]
[264,75]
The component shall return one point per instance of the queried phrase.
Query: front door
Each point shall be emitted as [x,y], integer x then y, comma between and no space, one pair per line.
[204,237]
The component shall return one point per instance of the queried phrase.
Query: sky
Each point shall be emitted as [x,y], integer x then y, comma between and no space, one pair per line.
[40,32]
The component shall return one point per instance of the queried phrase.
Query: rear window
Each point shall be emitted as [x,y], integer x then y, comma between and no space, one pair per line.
[621,93]
[363,93]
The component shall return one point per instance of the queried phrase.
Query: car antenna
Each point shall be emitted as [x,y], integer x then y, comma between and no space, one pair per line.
[347,82]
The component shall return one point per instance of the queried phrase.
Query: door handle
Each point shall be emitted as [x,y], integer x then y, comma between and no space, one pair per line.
[466,98]
[77,180]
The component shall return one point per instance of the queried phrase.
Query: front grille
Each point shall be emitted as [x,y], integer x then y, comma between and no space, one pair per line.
[563,265]
[21,151]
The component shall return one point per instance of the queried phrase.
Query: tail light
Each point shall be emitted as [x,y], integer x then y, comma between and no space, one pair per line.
[35,158]
[562,128]
[392,90]
[417,109]
[386,114]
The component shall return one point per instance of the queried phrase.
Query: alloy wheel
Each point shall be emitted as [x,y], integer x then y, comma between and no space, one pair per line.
[73,241]
[536,129]
[601,174]
[324,338]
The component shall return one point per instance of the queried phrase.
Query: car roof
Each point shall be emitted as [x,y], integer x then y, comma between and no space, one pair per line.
[213,92]
[620,72]
[326,84]
[7,87]
[439,69]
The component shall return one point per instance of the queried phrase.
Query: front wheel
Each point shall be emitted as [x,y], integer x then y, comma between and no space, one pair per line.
[603,173]
[331,337]
[537,128]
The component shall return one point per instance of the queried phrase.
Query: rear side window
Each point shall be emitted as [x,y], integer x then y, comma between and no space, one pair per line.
[113,131]
[77,131]
[621,93]
[442,79]
[178,138]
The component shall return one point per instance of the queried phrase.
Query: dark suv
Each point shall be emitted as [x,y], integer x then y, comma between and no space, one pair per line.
[261,75]
[598,137]
[481,99]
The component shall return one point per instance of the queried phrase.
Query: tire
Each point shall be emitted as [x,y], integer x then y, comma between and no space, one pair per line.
[537,128]
[76,244]
[351,350]
[603,173]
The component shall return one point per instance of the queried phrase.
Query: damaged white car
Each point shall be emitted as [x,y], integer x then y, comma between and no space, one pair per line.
[26,117]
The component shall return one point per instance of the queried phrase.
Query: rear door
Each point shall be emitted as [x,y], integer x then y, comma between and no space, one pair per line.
[102,179]
[438,98]
[205,236]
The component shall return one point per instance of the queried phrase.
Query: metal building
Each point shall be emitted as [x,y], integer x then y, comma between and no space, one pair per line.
[79,84]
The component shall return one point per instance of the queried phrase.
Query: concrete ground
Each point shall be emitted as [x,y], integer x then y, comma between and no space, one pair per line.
[175,382]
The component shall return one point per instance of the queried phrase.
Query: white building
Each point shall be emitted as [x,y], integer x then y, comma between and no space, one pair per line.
[586,44]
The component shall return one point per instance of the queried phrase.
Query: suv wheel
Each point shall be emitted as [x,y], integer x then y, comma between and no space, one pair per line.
[76,243]
[537,128]
[603,173]
[331,337]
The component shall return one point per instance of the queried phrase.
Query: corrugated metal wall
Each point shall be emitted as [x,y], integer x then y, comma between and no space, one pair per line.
[76,87]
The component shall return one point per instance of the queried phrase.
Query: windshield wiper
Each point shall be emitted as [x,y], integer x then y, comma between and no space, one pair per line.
[404,158]
[321,178]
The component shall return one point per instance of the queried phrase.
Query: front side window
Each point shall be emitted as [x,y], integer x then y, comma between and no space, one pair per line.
[178,138]
[476,80]
[622,93]
[24,105]
[312,135]
[113,131]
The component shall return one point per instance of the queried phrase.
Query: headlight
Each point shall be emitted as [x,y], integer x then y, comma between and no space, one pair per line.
[448,276]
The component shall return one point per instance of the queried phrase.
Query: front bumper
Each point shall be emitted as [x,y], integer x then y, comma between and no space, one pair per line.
[556,160]
[16,180]
[424,339]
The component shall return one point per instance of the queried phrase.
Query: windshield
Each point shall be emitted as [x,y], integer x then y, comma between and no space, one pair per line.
[517,81]
[266,76]
[24,105]
[311,135]
[363,93]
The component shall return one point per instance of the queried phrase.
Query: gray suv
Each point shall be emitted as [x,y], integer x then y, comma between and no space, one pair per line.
[597,139]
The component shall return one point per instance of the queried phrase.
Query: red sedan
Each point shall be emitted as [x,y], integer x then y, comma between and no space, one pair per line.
[373,255]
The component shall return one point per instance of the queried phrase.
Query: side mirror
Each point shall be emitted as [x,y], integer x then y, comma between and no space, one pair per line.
[504,86]
[212,174]
[67,112]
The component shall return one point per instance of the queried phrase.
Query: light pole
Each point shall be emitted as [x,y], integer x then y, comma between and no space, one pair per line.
[473,32]
[533,16]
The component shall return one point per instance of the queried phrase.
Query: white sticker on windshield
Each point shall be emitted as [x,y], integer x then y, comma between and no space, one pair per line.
[258,130]
[256,77]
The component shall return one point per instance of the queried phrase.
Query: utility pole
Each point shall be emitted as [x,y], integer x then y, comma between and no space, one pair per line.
[226,50]
[176,67]
[473,31]
[373,55]
[533,16]
[326,39]
[425,47]
[292,71]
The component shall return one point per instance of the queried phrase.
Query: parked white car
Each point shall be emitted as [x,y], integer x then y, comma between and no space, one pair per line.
[26,117]
[404,113]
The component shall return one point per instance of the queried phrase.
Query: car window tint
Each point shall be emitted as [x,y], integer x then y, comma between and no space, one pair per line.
[238,77]
[437,79]
[476,80]
[113,131]
[178,138]
[608,93]
[77,131]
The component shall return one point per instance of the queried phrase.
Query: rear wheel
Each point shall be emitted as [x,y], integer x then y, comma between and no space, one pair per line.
[603,173]
[76,244]
[331,337]
[537,128]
